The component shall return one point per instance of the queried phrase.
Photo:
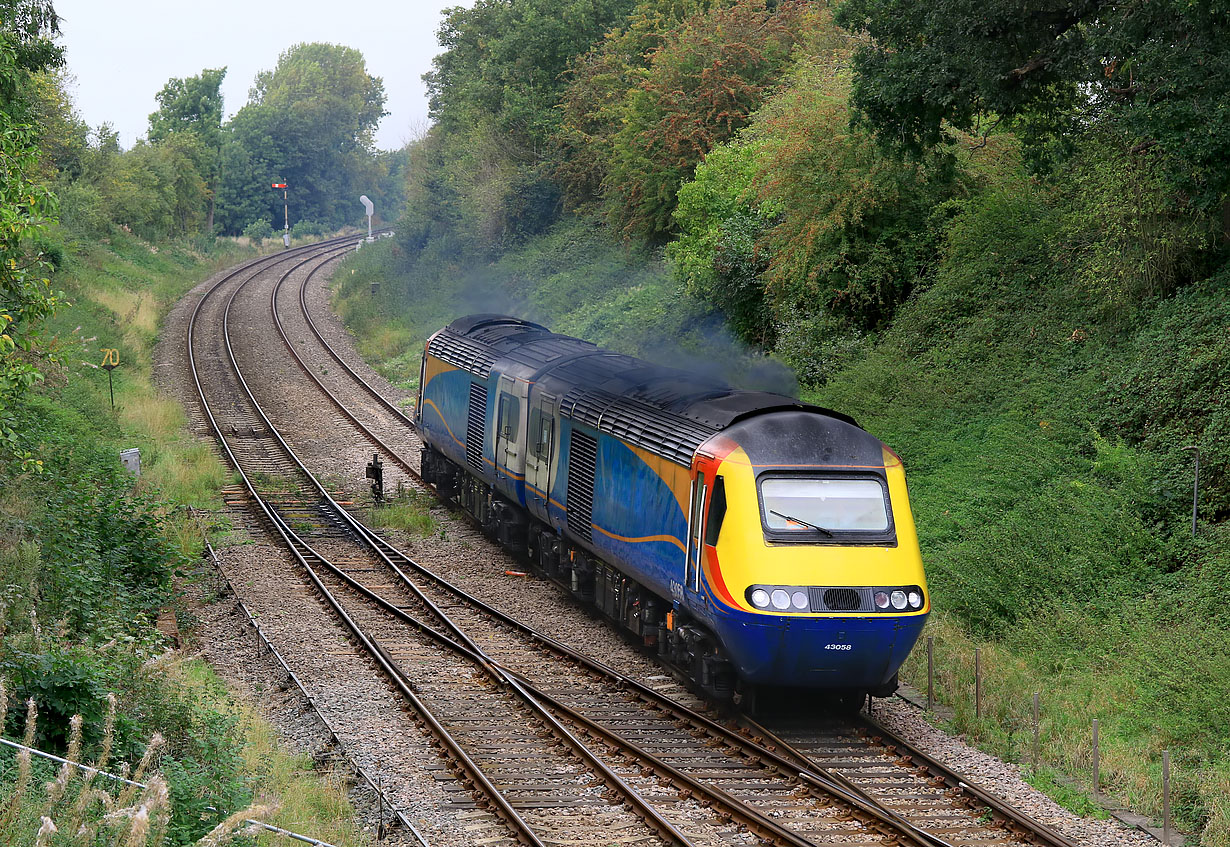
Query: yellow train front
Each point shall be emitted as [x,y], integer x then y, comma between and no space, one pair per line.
[751,539]
[809,569]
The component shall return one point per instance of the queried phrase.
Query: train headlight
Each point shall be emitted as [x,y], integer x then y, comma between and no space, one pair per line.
[760,598]
[898,599]
[799,600]
[881,600]
[915,599]
[781,600]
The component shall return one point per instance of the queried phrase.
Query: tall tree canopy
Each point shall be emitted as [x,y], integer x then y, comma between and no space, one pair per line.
[27,28]
[309,123]
[193,106]
[1153,72]
[504,59]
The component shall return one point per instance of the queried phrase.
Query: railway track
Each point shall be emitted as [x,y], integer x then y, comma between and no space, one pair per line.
[590,754]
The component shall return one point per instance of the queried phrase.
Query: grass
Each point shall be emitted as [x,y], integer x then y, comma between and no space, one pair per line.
[289,793]
[217,752]
[306,801]
[410,513]
[120,293]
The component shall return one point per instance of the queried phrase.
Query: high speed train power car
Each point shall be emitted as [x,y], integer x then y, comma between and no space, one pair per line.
[750,538]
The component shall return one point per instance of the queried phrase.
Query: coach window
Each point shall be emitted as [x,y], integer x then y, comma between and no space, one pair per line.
[510,416]
[540,433]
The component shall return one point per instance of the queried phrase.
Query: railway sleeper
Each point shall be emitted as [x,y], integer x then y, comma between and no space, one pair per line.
[679,641]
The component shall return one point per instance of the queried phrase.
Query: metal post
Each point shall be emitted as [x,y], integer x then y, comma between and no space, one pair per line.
[1097,767]
[1166,797]
[930,672]
[977,683]
[285,210]
[111,388]
[1195,489]
[1037,729]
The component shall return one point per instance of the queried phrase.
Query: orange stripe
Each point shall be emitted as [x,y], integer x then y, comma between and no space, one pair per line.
[672,539]
[714,573]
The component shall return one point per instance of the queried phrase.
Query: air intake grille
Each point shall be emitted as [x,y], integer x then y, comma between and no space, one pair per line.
[464,353]
[582,463]
[476,420]
[840,599]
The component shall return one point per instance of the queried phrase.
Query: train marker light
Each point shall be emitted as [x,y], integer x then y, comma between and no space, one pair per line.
[915,600]
[781,600]
[799,599]
[898,598]
[760,598]
[881,600]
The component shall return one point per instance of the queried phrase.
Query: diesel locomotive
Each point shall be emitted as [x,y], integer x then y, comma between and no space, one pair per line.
[751,539]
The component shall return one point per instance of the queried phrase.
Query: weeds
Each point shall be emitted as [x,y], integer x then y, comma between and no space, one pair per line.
[410,512]
[83,806]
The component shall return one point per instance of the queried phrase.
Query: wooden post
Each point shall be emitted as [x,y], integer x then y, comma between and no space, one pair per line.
[1097,776]
[1166,797]
[1037,729]
[978,683]
[930,673]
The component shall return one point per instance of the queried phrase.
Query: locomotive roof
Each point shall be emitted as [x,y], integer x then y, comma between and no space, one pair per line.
[667,411]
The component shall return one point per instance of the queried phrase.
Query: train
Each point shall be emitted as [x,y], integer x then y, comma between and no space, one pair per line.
[751,540]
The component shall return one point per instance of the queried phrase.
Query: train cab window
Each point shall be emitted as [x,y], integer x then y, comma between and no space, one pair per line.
[510,417]
[717,511]
[824,507]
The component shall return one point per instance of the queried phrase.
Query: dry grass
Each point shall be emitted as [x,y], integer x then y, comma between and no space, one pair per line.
[152,414]
[137,313]
[78,808]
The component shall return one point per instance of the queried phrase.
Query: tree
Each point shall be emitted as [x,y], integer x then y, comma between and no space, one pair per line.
[309,123]
[193,105]
[26,299]
[504,60]
[1151,71]
[700,88]
[591,107]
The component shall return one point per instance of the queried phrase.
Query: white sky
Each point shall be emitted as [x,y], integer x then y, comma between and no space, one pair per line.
[122,52]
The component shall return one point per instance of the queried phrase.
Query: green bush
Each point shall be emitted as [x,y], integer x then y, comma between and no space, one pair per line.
[258,230]
[1170,389]
[304,229]
[63,681]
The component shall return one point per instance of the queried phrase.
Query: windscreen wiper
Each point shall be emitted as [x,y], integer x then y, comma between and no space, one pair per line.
[802,523]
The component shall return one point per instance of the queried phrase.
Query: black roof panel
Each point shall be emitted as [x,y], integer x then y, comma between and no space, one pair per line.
[664,410]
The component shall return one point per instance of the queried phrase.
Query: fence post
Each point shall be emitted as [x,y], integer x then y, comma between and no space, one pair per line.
[1037,729]
[930,673]
[1166,797]
[978,683]
[1097,776]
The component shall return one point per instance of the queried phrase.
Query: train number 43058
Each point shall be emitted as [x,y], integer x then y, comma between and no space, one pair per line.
[838,646]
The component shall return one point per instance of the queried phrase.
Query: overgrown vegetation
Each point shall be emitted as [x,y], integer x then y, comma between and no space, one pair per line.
[1001,246]
[88,553]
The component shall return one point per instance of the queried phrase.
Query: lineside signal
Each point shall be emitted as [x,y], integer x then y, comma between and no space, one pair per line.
[278,185]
